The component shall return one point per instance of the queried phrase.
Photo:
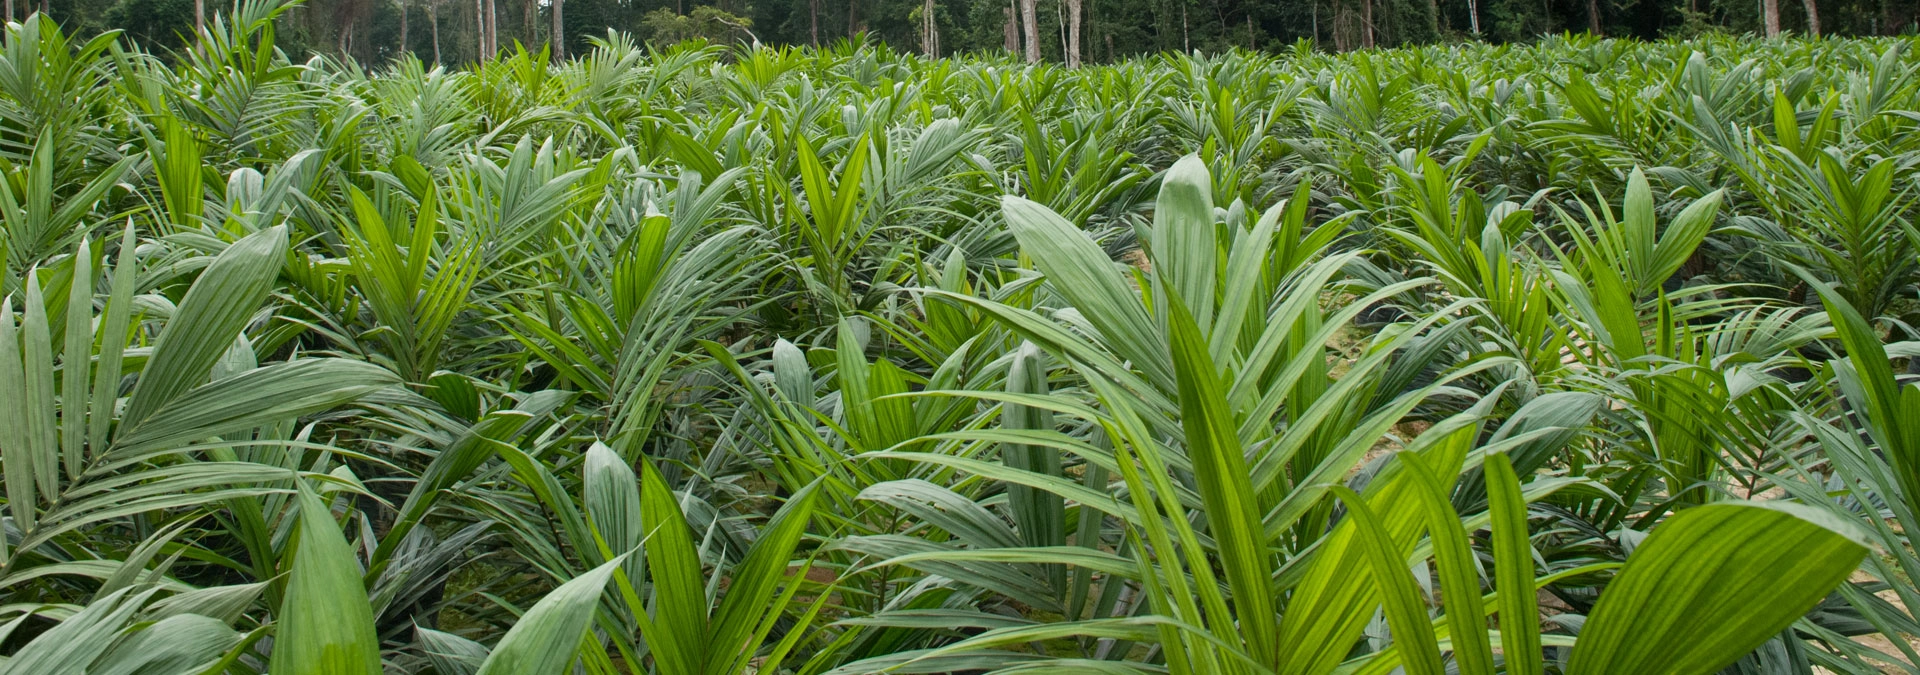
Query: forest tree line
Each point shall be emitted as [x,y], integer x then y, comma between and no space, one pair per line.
[453,32]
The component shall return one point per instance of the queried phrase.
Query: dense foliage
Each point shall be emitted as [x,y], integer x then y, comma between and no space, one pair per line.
[843,361]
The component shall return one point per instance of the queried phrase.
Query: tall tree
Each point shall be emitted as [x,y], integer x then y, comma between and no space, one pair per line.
[1073,33]
[480,26]
[1030,28]
[1010,32]
[1770,9]
[1366,18]
[813,22]
[559,32]
[433,20]
[405,48]
[346,17]
[929,31]
[484,14]
[1813,29]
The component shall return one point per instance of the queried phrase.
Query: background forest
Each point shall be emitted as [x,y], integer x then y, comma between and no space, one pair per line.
[1102,31]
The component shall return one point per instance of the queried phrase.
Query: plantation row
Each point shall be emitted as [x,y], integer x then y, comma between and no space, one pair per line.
[1586,357]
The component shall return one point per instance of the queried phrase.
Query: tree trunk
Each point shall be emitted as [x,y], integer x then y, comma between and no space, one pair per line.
[1186,40]
[853,17]
[1030,28]
[493,28]
[433,23]
[199,16]
[1813,19]
[347,17]
[813,22]
[1770,9]
[529,12]
[1012,32]
[404,47]
[1073,33]
[1593,16]
[1473,15]
[1366,18]
[559,31]
[1060,22]
[929,31]
[1343,27]
[480,37]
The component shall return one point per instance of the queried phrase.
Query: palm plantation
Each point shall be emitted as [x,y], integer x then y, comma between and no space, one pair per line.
[1584,356]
